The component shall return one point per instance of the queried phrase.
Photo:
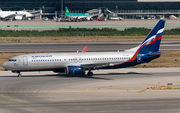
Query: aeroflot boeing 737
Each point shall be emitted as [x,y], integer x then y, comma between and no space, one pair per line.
[78,63]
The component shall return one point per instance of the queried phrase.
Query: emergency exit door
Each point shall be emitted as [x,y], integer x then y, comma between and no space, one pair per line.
[25,60]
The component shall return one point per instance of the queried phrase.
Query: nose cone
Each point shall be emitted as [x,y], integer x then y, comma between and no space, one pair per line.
[5,65]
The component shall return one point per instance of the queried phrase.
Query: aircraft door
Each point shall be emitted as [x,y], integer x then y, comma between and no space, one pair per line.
[25,60]
[77,60]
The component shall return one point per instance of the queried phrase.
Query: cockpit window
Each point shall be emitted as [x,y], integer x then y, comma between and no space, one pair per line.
[12,60]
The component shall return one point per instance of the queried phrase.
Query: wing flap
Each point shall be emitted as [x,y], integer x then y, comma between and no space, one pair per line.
[89,66]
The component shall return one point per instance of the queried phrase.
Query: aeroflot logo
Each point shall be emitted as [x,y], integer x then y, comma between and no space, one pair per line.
[41,56]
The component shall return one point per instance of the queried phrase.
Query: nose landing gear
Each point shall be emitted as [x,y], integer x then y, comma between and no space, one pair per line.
[19,75]
[18,72]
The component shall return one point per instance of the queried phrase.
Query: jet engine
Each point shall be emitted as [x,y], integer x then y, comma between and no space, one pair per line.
[18,17]
[75,70]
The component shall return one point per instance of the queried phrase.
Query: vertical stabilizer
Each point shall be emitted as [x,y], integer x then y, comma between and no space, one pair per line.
[153,40]
[67,11]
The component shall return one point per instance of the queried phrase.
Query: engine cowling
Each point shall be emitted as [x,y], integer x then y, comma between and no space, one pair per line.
[18,17]
[75,70]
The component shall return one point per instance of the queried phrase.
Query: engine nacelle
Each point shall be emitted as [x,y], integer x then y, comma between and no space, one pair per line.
[75,70]
[18,17]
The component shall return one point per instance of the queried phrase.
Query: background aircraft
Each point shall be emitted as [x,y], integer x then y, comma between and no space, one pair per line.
[77,16]
[78,63]
[18,15]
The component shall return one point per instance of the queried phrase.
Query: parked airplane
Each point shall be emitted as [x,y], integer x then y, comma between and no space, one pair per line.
[18,15]
[78,63]
[78,16]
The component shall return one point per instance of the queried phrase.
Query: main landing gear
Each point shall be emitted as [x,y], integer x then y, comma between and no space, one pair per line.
[90,74]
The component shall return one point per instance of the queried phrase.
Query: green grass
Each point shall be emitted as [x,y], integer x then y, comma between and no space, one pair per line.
[83,32]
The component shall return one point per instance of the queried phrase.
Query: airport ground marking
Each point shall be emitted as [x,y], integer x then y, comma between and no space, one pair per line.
[145,102]
[104,87]
[147,84]
[23,105]
[110,87]
[9,112]
[86,109]
[142,91]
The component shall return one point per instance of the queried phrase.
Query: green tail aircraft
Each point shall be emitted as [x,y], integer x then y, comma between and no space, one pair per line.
[78,16]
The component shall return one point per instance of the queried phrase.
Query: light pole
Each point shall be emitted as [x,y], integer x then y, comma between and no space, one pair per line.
[43,11]
[116,11]
[61,7]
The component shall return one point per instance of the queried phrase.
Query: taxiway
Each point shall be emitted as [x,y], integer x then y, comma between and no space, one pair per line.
[78,46]
[109,91]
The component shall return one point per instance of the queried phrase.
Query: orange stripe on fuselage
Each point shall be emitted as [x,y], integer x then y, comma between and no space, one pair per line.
[130,60]
[134,57]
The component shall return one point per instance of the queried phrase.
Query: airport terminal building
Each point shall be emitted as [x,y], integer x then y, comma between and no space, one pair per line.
[81,6]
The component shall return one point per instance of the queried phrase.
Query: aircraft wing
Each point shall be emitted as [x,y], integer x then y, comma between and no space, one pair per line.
[11,16]
[89,66]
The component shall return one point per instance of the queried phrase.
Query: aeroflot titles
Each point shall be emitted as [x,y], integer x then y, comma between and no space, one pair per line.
[43,56]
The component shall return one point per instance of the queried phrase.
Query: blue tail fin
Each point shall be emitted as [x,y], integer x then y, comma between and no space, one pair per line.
[153,40]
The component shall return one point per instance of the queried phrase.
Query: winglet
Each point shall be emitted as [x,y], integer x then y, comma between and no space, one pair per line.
[85,49]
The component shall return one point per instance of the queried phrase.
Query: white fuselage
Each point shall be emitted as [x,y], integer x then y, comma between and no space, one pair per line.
[60,60]
[18,15]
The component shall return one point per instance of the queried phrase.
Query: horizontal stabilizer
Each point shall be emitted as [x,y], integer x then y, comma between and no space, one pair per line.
[155,53]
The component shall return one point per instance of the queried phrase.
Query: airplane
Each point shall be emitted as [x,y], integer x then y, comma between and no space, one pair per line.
[80,62]
[78,16]
[17,15]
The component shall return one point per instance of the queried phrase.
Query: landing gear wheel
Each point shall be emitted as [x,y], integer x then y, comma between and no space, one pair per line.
[90,74]
[19,75]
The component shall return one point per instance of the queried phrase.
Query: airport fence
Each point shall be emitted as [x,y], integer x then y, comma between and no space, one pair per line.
[83,32]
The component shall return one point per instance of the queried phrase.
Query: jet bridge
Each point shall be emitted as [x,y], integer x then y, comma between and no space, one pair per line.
[102,13]
[95,12]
